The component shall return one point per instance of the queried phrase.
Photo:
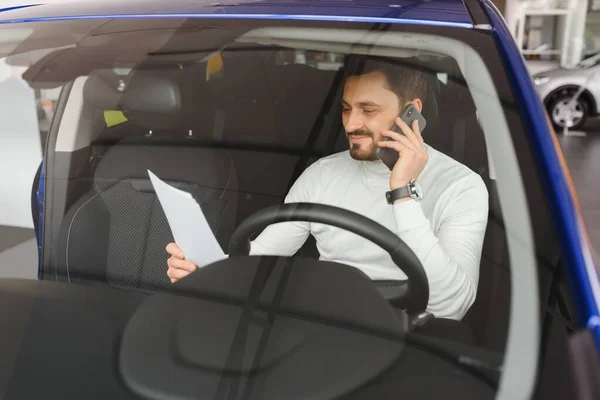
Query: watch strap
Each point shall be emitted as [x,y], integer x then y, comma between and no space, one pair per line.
[397,194]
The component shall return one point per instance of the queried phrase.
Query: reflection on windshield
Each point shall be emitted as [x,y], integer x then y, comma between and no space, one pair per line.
[245,121]
[317,119]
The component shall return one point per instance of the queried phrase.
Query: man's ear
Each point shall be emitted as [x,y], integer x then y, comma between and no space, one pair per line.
[418,103]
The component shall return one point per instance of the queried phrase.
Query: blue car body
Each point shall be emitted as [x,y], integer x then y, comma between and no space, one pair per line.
[557,183]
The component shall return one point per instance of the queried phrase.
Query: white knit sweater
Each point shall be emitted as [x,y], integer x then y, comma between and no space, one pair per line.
[445,229]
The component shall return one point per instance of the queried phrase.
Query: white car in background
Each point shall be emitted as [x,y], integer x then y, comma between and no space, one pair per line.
[558,87]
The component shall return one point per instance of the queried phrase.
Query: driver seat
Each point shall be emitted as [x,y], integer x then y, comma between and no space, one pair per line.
[464,141]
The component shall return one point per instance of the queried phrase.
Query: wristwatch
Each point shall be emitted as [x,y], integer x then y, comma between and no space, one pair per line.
[412,190]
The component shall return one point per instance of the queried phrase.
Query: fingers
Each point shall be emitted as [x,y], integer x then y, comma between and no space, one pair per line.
[417,130]
[177,274]
[175,251]
[413,134]
[179,269]
[177,263]
[399,142]
[397,146]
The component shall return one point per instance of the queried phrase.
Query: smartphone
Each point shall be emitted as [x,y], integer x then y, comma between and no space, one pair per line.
[409,114]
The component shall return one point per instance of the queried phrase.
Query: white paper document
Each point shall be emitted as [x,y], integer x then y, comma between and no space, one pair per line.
[188,224]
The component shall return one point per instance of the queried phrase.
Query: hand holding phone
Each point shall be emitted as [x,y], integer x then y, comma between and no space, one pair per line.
[409,115]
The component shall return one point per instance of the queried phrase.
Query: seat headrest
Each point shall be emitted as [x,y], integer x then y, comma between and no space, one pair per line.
[142,92]
[175,160]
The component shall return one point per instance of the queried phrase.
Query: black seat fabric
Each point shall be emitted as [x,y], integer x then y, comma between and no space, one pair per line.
[276,120]
[461,137]
[265,120]
[117,232]
[275,105]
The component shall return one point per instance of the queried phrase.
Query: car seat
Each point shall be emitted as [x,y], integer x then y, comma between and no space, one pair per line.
[463,140]
[265,117]
[116,233]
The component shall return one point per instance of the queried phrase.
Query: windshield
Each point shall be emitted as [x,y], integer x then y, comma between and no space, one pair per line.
[367,174]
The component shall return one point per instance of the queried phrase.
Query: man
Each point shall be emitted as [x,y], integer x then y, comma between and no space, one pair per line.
[445,229]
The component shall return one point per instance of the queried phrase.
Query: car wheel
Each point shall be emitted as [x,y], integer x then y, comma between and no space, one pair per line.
[565,113]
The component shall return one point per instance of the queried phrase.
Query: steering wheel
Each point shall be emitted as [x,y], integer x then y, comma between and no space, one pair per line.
[412,294]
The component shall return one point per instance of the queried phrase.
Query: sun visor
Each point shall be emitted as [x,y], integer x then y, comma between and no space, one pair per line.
[108,48]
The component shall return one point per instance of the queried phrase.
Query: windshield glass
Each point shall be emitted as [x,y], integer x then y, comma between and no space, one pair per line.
[377,166]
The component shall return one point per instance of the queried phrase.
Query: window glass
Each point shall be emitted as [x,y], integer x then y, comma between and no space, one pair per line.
[245,117]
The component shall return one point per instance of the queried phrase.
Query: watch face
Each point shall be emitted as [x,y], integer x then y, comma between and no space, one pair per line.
[417,191]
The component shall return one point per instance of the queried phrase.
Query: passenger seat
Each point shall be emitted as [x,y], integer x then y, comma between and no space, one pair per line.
[116,233]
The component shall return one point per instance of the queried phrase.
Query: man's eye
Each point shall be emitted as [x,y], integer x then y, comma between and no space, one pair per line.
[368,112]
[345,110]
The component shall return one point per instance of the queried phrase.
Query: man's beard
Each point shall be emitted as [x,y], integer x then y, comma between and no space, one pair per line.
[362,154]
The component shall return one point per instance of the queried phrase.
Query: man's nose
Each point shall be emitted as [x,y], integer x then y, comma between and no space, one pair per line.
[355,122]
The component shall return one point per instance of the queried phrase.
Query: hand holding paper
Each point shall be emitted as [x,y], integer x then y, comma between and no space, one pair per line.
[188,224]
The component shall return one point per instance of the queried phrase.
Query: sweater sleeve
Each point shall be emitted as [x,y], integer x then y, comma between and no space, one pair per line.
[285,238]
[452,255]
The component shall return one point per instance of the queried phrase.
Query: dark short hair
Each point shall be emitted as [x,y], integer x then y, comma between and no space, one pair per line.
[406,82]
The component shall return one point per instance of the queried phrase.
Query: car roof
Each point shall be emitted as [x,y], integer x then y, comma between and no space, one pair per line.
[429,12]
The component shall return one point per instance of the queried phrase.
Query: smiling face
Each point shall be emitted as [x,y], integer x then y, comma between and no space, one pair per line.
[369,107]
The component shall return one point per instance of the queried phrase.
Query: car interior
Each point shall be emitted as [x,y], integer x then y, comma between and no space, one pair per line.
[236,142]
[235,127]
